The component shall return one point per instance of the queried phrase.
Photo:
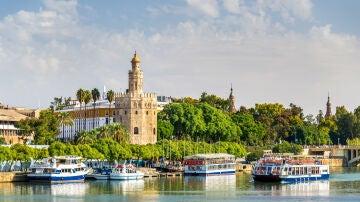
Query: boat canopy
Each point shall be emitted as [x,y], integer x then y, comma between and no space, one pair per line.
[210,156]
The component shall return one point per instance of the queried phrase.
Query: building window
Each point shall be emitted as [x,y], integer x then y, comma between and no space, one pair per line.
[136,112]
[125,112]
[147,112]
[136,130]
[107,113]
[154,131]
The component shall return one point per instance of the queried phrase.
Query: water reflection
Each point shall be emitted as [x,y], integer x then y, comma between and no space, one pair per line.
[125,187]
[313,188]
[208,183]
[69,189]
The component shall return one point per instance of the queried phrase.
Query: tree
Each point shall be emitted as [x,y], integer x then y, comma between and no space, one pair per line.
[85,137]
[95,96]
[253,133]
[215,101]
[45,128]
[59,103]
[110,96]
[65,120]
[164,129]
[80,95]
[87,99]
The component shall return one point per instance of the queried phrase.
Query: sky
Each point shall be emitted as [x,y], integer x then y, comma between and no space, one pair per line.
[269,51]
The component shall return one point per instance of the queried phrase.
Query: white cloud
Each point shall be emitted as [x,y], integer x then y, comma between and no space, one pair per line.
[208,7]
[232,6]
[292,9]
[264,59]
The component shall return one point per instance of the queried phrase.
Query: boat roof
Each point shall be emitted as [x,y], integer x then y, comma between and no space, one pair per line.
[210,156]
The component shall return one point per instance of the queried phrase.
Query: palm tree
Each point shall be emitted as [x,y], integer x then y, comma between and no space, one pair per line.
[119,132]
[80,95]
[65,120]
[87,99]
[110,96]
[85,137]
[95,96]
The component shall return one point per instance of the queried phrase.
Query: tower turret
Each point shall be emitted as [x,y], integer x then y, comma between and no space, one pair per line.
[232,101]
[135,76]
[328,108]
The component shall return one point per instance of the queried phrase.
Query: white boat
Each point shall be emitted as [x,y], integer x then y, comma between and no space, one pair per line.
[100,173]
[58,169]
[209,164]
[126,172]
[289,170]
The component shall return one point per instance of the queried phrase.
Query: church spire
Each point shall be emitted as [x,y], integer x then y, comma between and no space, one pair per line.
[232,101]
[328,108]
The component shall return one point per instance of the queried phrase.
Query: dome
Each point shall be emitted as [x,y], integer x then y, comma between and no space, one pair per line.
[135,59]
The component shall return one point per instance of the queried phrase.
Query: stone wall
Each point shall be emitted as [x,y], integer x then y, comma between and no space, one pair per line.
[12,177]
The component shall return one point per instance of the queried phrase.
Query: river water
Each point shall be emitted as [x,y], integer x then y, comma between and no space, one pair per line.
[344,185]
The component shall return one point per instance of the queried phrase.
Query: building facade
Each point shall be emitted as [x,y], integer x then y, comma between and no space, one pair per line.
[86,117]
[137,110]
[9,116]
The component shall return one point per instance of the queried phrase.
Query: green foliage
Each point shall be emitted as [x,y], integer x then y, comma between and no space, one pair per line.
[164,129]
[59,103]
[45,128]
[214,101]
[255,155]
[286,147]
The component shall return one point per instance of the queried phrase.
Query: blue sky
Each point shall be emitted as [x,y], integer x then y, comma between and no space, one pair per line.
[284,51]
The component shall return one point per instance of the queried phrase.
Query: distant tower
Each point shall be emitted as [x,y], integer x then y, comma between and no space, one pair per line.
[137,110]
[232,101]
[328,108]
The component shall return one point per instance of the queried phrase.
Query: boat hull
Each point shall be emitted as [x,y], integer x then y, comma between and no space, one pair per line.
[267,178]
[213,172]
[55,178]
[126,176]
[98,177]
[304,178]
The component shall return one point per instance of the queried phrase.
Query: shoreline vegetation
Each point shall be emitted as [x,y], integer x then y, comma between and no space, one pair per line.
[188,126]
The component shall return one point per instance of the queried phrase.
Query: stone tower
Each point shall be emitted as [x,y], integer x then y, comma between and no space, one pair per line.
[328,108]
[232,101]
[137,110]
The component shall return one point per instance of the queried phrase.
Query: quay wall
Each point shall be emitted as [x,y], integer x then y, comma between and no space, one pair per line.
[13,177]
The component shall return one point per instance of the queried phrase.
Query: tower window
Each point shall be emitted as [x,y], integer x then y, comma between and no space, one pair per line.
[136,112]
[147,112]
[154,131]
[136,130]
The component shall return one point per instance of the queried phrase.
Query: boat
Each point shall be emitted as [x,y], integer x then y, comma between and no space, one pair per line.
[209,164]
[58,169]
[126,172]
[100,173]
[289,170]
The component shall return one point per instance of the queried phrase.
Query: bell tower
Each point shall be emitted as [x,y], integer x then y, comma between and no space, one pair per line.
[328,108]
[232,101]
[135,76]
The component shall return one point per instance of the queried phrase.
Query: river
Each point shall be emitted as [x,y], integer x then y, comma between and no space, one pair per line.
[344,185]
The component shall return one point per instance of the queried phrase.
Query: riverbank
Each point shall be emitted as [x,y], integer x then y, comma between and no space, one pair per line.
[15,176]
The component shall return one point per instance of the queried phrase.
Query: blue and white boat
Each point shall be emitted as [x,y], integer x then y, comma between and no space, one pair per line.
[209,164]
[289,170]
[58,169]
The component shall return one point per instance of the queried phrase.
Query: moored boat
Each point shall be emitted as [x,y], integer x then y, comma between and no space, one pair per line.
[289,170]
[100,173]
[126,172]
[209,164]
[58,169]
